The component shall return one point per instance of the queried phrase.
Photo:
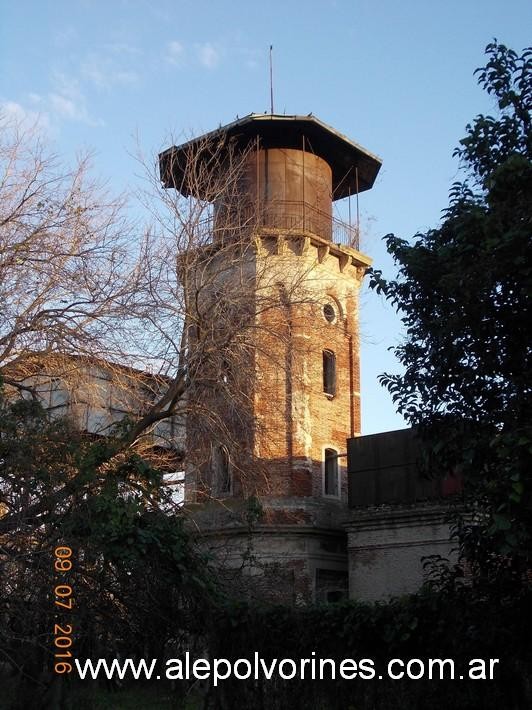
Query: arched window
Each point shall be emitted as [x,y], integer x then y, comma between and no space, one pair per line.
[221,470]
[329,372]
[331,482]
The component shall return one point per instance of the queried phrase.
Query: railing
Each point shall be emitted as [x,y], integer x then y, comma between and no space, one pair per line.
[348,235]
[292,216]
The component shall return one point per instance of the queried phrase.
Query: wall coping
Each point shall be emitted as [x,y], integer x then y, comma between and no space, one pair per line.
[382,517]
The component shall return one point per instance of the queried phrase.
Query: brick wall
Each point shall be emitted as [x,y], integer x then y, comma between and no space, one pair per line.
[290,420]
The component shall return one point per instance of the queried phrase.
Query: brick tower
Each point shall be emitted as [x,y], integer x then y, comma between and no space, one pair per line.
[265,478]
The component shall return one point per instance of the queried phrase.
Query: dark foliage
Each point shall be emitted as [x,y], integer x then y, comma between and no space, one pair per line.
[436,624]
[464,295]
[139,584]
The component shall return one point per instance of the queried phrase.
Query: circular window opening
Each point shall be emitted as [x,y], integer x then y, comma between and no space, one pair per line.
[329,313]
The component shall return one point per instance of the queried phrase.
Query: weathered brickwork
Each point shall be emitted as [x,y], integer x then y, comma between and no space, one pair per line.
[297,419]
[289,420]
[273,342]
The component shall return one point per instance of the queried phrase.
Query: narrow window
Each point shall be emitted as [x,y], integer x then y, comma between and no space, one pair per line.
[329,372]
[221,471]
[175,486]
[330,473]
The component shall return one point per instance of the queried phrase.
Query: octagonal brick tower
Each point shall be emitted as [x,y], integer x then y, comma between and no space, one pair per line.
[304,391]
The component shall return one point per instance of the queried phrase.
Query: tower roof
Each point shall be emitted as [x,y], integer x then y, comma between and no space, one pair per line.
[280,131]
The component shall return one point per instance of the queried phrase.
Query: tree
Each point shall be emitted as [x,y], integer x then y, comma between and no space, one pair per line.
[464,292]
[83,290]
[138,582]
[168,308]
[215,300]
[63,259]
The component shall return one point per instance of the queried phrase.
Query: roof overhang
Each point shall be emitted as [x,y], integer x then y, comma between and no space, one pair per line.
[352,165]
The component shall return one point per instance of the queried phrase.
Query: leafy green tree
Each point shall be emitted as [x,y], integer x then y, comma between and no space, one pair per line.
[463,291]
[139,583]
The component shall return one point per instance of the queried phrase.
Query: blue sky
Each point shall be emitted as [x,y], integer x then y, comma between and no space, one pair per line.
[396,77]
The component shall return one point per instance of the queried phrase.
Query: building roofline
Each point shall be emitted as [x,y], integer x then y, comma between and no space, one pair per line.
[352,165]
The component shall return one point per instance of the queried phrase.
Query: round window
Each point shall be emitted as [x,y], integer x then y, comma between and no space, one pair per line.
[329,313]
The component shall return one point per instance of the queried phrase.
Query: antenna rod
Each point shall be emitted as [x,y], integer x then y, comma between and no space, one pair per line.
[358,210]
[271,79]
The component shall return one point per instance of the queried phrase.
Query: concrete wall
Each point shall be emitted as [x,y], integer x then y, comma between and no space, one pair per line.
[295,553]
[386,547]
